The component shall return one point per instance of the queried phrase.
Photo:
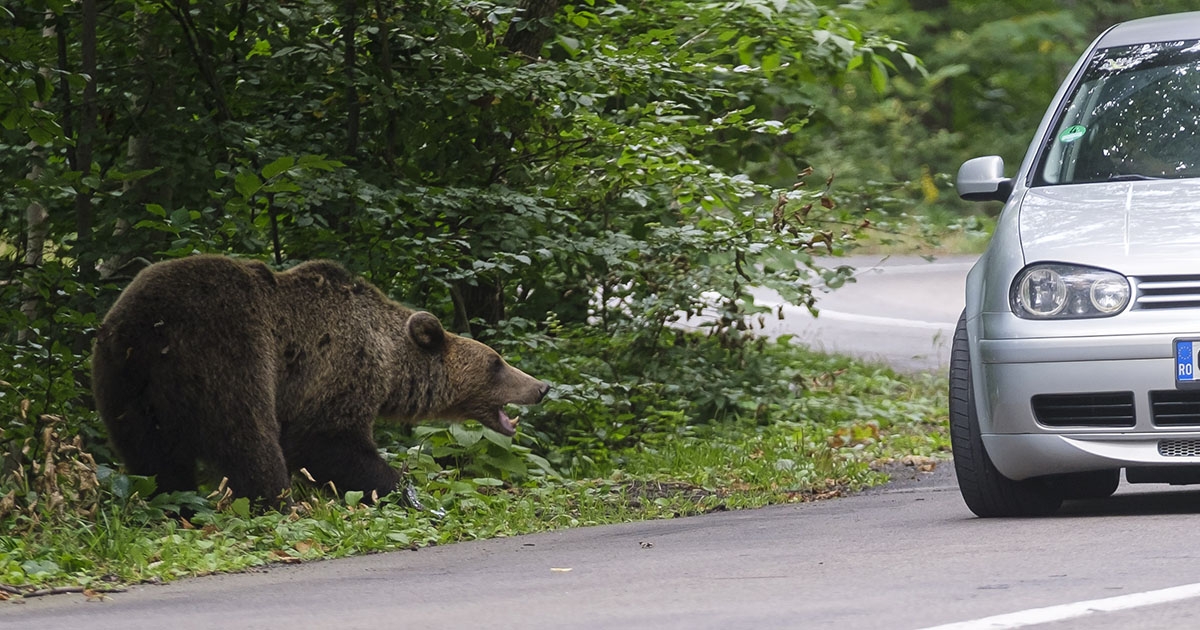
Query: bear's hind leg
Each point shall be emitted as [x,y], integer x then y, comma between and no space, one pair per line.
[150,451]
[255,469]
[349,460]
[170,474]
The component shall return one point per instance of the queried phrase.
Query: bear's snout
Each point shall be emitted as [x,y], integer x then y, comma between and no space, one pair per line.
[520,388]
[535,391]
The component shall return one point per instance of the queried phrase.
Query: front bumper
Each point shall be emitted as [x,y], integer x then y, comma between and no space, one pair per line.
[1013,371]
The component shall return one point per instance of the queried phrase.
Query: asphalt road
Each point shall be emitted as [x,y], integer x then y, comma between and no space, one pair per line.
[900,310]
[906,556]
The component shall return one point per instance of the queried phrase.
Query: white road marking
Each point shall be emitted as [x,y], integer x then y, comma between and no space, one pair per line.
[884,321]
[1035,616]
[857,318]
[916,268]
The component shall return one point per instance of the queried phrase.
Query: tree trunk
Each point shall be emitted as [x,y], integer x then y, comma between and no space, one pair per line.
[482,298]
[140,155]
[385,68]
[84,141]
[481,301]
[199,45]
[36,217]
[349,60]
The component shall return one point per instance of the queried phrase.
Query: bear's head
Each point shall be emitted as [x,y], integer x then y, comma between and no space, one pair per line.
[480,383]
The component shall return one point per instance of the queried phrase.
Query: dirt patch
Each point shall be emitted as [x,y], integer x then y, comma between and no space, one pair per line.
[910,473]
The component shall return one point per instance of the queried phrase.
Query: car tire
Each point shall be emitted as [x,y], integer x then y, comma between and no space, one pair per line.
[1096,484]
[985,490]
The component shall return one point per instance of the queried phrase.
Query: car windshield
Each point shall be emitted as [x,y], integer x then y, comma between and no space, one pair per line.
[1135,114]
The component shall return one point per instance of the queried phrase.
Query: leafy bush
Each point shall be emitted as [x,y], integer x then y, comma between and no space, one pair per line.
[570,183]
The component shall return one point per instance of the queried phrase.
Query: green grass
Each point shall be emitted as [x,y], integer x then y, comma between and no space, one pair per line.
[826,439]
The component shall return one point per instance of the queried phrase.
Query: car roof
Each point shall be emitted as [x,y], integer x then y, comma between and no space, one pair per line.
[1160,28]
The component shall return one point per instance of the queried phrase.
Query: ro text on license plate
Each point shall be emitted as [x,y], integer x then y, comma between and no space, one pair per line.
[1187,373]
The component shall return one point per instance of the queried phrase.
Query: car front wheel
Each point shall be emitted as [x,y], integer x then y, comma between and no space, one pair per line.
[986,492]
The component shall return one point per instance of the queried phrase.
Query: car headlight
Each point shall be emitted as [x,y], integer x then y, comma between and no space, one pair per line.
[1058,291]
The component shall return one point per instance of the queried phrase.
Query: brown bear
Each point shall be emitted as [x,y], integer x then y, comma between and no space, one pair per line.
[258,374]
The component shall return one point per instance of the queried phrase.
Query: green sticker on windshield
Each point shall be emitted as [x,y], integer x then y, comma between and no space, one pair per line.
[1072,133]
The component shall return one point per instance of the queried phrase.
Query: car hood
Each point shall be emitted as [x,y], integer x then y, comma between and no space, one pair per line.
[1144,227]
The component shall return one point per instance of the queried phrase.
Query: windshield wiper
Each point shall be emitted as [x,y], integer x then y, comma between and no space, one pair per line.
[1130,177]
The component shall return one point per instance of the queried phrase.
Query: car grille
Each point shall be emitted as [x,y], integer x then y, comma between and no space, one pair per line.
[1179,448]
[1099,409]
[1168,292]
[1175,408]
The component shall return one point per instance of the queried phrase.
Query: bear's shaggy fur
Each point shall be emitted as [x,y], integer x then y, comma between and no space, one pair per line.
[259,374]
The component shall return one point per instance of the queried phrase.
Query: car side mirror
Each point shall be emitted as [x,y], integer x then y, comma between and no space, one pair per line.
[982,179]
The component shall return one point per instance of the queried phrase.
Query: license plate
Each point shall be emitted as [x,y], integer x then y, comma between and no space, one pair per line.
[1187,373]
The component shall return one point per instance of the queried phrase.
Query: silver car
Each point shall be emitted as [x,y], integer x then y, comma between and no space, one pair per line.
[1076,355]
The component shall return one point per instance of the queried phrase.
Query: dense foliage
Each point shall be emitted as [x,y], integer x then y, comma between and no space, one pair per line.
[561,179]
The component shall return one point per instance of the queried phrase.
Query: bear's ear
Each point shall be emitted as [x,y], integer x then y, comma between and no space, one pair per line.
[426,331]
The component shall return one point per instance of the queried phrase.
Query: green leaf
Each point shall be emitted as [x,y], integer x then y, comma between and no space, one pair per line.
[319,162]
[878,78]
[241,507]
[354,497]
[771,63]
[155,225]
[181,217]
[495,438]
[121,176]
[35,568]
[465,436]
[120,487]
[427,431]
[509,462]
[278,166]
[462,487]
[261,47]
[569,44]
[542,463]
[142,486]
[281,186]
[40,135]
[247,184]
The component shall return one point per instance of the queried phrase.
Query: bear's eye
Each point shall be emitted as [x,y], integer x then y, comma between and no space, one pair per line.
[497,364]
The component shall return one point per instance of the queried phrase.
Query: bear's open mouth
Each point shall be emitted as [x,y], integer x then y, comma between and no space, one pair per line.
[506,425]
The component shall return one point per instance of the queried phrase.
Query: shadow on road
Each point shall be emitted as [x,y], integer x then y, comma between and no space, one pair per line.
[1136,503]
[1130,500]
